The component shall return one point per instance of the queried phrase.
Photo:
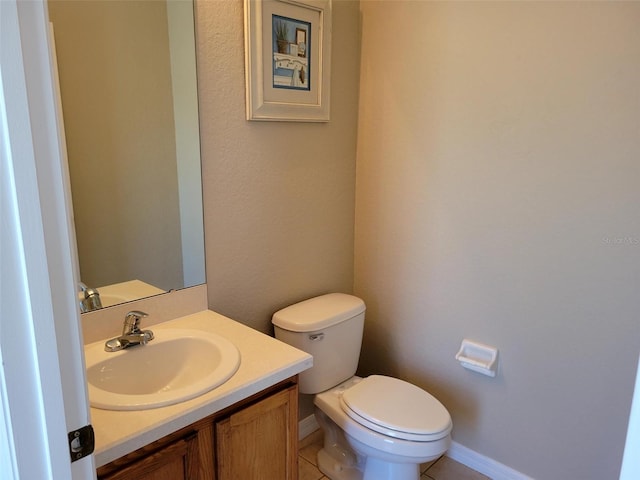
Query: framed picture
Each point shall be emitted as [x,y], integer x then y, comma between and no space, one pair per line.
[288,59]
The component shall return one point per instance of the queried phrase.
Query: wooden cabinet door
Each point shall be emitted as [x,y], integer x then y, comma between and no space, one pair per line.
[260,441]
[177,461]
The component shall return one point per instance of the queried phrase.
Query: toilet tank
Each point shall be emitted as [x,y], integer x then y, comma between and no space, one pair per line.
[328,327]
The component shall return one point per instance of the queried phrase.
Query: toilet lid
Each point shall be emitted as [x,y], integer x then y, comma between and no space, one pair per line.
[396,408]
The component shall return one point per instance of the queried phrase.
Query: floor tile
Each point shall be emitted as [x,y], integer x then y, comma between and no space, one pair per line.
[308,471]
[425,466]
[310,452]
[447,469]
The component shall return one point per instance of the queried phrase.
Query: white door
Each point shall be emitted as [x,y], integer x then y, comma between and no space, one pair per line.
[631,461]
[42,380]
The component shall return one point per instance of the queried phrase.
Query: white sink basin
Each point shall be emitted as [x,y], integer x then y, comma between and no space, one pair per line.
[177,365]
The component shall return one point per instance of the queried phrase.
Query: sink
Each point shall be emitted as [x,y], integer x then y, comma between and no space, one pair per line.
[177,365]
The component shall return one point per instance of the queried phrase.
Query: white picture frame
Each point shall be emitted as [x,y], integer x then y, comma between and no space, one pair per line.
[288,60]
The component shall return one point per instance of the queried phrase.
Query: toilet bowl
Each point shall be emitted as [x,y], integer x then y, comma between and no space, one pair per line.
[380,437]
[375,428]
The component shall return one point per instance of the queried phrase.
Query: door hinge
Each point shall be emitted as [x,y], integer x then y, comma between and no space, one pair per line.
[81,442]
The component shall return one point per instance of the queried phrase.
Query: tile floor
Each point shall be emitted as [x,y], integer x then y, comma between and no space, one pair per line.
[442,469]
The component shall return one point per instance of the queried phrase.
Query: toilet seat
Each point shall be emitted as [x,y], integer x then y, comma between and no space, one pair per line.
[396,408]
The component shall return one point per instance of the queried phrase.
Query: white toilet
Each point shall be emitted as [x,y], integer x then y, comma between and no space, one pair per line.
[375,428]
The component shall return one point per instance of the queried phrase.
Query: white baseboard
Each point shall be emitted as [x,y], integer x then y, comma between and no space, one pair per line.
[482,464]
[307,426]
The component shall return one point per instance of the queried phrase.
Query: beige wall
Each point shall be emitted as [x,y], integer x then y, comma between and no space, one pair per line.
[115,84]
[278,197]
[497,199]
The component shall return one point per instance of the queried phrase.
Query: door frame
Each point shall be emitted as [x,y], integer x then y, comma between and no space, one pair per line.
[42,381]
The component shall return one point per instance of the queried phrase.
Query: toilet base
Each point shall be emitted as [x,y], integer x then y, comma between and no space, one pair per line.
[345,458]
[336,459]
[380,470]
[374,469]
[335,469]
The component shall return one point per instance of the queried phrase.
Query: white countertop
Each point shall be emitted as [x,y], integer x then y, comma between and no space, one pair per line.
[264,361]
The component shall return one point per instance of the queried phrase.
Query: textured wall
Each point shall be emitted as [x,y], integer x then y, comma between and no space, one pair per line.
[278,197]
[497,198]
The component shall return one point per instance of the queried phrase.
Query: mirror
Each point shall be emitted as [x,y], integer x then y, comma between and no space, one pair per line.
[129,100]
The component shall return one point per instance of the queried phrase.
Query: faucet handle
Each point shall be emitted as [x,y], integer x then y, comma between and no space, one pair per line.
[132,322]
[90,298]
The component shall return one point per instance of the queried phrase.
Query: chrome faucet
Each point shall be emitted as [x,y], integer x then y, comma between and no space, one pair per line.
[131,333]
[90,298]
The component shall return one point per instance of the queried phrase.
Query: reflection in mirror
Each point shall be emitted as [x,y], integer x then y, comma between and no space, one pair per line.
[128,86]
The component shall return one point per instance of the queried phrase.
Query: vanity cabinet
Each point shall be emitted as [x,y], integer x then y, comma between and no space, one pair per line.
[176,461]
[258,441]
[254,439]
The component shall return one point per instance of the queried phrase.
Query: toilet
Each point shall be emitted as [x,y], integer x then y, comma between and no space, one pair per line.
[375,428]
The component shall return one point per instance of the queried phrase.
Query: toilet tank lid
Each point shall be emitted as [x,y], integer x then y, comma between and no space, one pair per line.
[318,312]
